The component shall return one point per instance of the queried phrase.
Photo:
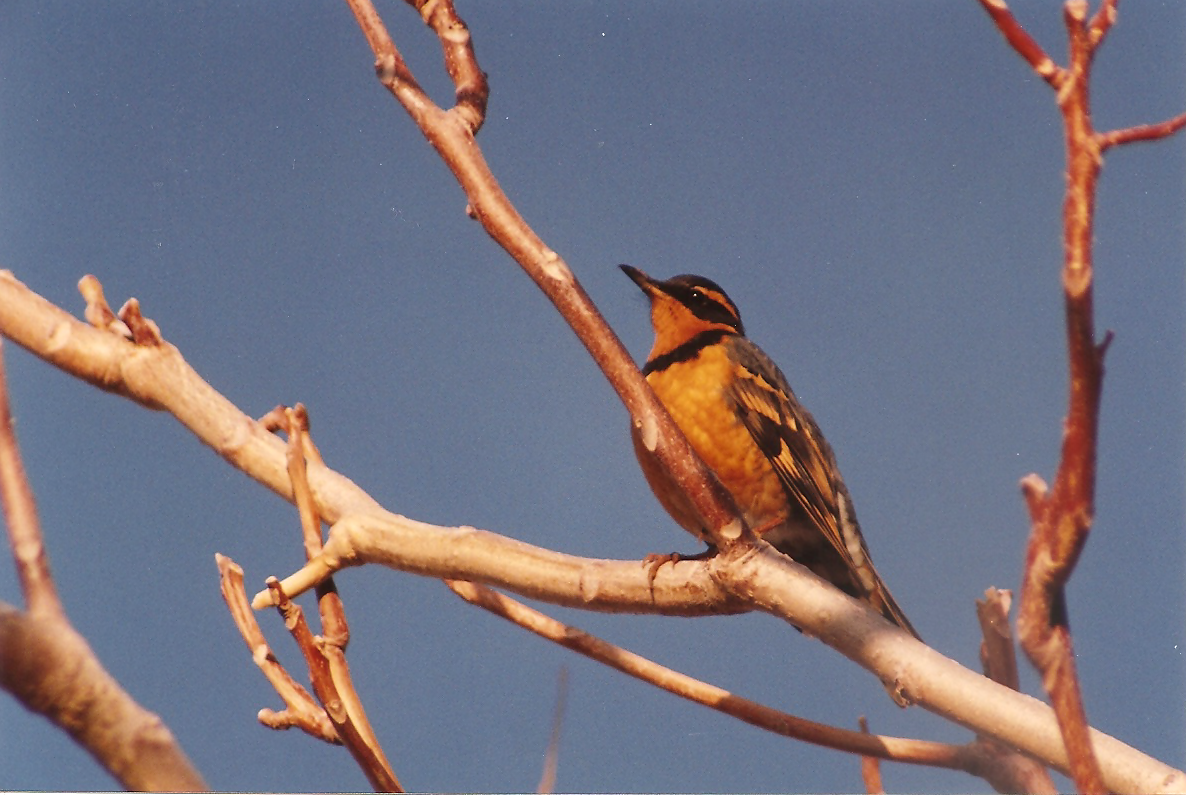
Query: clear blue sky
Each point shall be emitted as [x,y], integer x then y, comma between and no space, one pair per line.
[878,187]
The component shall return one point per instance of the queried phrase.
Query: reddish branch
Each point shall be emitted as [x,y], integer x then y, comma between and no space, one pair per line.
[1061,518]
[340,703]
[870,766]
[335,691]
[451,133]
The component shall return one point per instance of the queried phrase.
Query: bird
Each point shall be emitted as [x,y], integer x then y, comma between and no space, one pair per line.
[738,412]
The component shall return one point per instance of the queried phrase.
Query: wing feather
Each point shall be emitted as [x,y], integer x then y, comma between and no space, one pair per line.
[788,436]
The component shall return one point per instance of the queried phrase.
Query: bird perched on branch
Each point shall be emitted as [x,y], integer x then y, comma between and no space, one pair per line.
[743,420]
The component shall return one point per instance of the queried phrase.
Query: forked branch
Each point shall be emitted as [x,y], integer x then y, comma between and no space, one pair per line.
[1061,516]
[341,716]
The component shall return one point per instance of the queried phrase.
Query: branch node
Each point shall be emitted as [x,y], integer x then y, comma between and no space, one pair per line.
[1033,488]
[144,331]
[1102,348]
[98,312]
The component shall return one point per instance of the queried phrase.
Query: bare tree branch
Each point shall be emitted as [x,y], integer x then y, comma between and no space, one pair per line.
[786,590]
[20,513]
[336,692]
[1062,517]
[892,748]
[158,376]
[997,656]
[547,779]
[1141,133]
[300,710]
[341,717]
[1009,770]
[1023,43]
[51,669]
[747,574]
[327,677]
[870,766]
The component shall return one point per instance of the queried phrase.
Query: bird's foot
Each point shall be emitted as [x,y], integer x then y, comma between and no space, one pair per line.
[655,560]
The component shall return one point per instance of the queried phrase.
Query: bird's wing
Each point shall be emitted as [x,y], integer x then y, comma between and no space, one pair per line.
[788,436]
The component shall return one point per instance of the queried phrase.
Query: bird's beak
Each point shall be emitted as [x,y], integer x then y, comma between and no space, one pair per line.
[644,282]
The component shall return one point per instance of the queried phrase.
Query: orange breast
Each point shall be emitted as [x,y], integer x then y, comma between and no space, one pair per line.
[692,392]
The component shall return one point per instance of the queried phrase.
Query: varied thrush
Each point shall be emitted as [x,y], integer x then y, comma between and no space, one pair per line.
[740,415]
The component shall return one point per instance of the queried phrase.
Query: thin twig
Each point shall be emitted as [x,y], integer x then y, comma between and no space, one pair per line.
[20,514]
[339,696]
[547,779]
[334,626]
[301,710]
[895,748]
[369,756]
[1141,133]
[997,656]
[472,90]
[870,765]
[1010,771]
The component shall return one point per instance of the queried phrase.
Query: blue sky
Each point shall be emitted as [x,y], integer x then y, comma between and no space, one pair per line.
[877,186]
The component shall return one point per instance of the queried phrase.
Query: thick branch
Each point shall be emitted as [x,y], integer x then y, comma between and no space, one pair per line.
[467,553]
[51,669]
[158,377]
[775,584]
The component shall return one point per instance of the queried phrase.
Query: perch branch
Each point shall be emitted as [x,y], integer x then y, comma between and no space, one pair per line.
[159,377]
[793,593]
